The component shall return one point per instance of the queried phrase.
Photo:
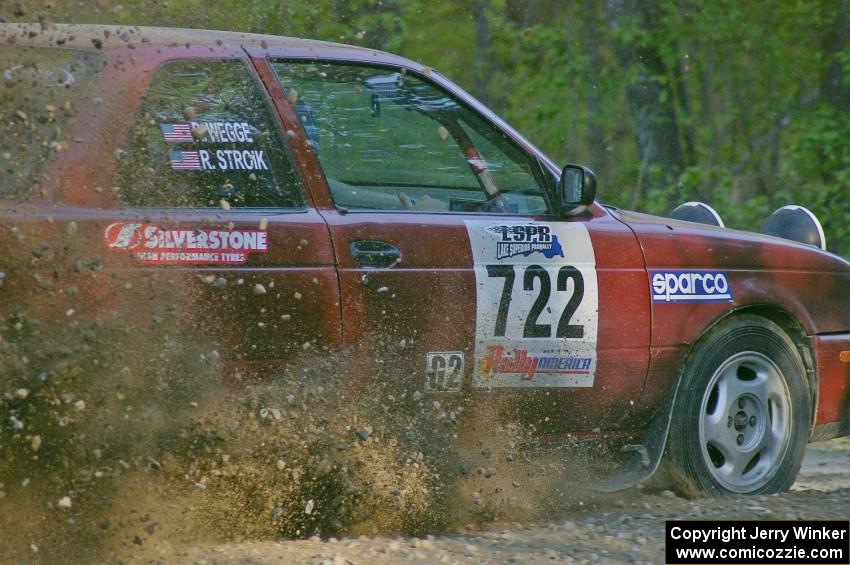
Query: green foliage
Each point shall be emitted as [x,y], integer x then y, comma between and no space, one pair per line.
[741,79]
[817,171]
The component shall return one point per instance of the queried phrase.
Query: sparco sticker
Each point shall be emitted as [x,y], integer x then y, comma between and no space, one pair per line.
[537,305]
[690,286]
[151,244]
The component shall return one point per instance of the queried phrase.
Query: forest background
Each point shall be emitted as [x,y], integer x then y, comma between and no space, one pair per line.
[743,105]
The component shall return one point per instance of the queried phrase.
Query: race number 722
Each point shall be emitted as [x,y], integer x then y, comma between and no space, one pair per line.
[533,329]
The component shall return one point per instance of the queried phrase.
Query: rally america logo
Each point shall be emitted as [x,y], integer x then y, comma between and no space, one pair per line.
[525,239]
[498,361]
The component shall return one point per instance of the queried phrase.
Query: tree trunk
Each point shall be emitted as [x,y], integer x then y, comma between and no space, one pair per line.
[481,56]
[685,106]
[524,12]
[835,86]
[590,38]
[649,94]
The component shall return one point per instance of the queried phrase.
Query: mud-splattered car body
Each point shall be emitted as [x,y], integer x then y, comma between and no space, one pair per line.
[425,289]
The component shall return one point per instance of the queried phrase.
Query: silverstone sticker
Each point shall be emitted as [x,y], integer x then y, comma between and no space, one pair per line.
[537,305]
[444,371]
[208,132]
[690,286]
[152,244]
[218,160]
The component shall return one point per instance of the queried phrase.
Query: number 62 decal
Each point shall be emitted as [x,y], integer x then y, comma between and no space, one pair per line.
[444,371]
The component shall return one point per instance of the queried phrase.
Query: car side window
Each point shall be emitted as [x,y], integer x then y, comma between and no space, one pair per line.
[205,137]
[387,140]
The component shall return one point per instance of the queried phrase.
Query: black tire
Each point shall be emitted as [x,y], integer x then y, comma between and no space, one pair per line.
[742,414]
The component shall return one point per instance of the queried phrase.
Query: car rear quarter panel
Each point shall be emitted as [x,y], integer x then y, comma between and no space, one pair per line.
[55,243]
[809,285]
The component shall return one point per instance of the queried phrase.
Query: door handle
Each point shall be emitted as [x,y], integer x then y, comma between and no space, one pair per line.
[374,254]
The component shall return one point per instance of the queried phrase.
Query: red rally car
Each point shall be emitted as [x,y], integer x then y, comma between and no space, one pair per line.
[383,207]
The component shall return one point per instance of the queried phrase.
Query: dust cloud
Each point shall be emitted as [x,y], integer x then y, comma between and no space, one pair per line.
[126,432]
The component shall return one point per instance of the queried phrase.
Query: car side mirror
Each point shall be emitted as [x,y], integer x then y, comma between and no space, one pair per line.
[577,187]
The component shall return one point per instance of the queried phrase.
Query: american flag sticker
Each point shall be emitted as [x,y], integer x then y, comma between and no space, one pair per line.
[176,133]
[184,160]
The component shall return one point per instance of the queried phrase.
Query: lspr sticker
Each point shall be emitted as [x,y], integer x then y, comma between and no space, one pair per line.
[525,239]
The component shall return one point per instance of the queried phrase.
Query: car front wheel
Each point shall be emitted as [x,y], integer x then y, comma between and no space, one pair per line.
[742,414]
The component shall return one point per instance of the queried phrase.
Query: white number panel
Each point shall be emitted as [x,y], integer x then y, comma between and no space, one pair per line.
[537,309]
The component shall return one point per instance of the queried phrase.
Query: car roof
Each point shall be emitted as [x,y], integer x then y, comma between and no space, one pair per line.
[94,37]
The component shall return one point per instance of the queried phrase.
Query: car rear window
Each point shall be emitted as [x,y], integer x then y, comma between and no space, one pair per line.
[205,137]
[42,89]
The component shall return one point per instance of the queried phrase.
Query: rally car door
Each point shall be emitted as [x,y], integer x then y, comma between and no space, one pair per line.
[455,268]
[562,311]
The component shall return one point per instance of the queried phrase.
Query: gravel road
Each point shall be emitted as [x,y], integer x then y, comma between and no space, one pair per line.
[623,528]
